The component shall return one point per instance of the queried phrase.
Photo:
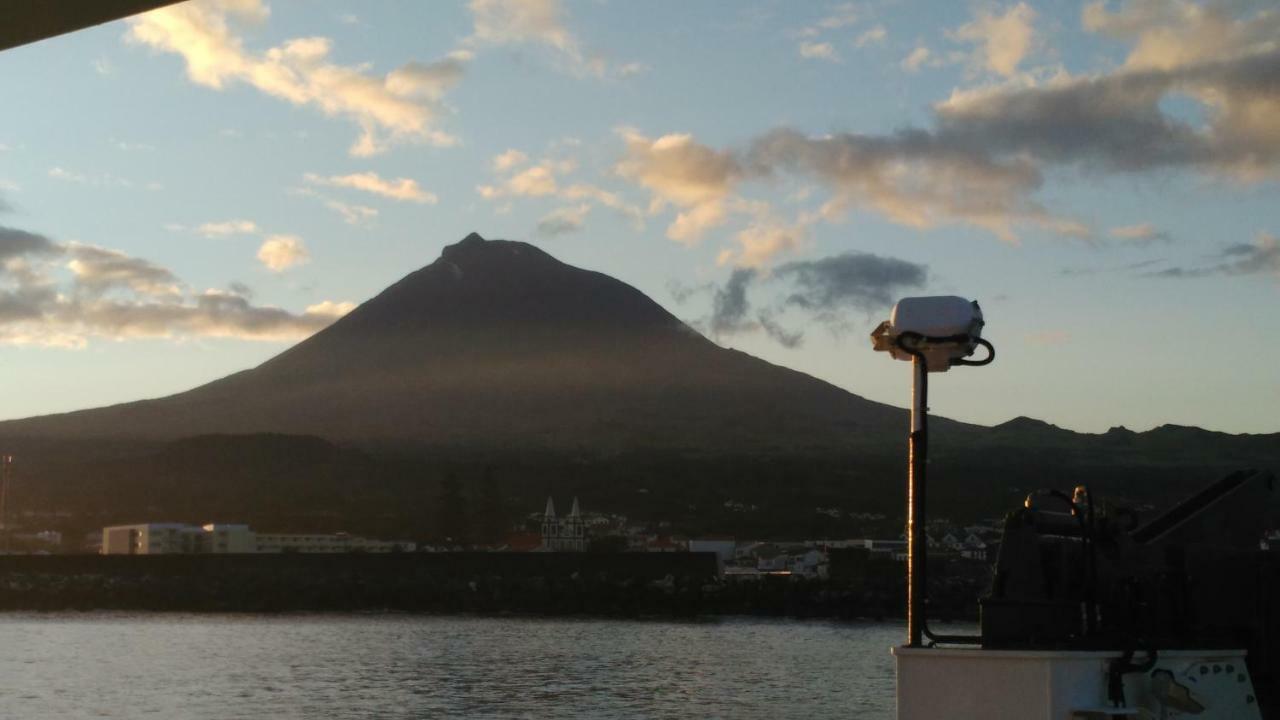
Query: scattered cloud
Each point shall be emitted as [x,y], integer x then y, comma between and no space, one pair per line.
[632,68]
[1002,40]
[698,180]
[403,106]
[1261,257]
[765,237]
[352,214]
[402,189]
[56,294]
[840,16]
[228,227]
[105,180]
[508,160]
[329,308]
[874,36]
[819,51]
[58,173]
[102,66]
[1141,234]
[611,200]
[281,252]
[916,59]
[563,221]
[531,22]
[132,146]
[544,180]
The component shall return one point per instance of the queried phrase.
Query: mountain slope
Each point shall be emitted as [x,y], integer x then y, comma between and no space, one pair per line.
[498,344]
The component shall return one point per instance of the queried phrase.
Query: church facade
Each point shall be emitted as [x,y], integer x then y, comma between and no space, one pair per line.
[566,534]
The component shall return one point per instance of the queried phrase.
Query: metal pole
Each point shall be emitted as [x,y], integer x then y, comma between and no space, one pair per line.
[917,544]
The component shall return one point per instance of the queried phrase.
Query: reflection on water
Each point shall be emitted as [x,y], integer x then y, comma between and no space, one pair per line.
[387,666]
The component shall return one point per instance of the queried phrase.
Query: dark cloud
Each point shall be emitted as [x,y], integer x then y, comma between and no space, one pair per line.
[823,290]
[681,292]
[19,243]
[789,339]
[1257,258]
[857,281]
[730,306]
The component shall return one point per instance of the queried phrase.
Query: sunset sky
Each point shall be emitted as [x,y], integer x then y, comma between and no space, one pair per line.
[186,193]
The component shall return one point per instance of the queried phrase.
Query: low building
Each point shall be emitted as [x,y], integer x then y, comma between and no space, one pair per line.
[228,539]
[152,539]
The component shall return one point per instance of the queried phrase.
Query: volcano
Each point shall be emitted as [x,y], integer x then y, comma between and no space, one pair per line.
[497,344]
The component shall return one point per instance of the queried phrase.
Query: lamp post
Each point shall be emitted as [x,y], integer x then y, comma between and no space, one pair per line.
[935,334]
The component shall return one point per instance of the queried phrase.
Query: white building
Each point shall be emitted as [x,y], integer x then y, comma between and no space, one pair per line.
[152,539]
[223,538]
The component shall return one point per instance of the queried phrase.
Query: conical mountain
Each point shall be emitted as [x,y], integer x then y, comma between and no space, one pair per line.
[498,344]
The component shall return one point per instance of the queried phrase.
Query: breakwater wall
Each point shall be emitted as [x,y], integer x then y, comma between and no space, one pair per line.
[560,583]
[618,584]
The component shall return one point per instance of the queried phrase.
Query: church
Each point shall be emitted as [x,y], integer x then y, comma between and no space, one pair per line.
[568,534]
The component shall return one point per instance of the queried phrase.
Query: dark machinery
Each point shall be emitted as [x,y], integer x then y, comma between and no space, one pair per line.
[1077,574]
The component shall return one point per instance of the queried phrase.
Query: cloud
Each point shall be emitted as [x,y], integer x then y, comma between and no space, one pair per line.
[106,180]
[789,339]
[536,22]
[819,51]
[822,290]
[535,181]
[15,243]
[508,160]
[1141,234]
[916,59]
[1169,34]
[402,106]
[563,221]
[1261,257]
[765,237]
[914,178]
[63,295]
[228,227]
[842,15]
[58,173]
[677,170]
[1003,40]
[351,214]
[852,280]
[873,36]
[729,304]
[403,189]
[281,252]
[329,308]
[541,180]
[632,68]
[99,271]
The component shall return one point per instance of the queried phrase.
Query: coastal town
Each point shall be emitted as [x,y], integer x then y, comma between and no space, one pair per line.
[574,531]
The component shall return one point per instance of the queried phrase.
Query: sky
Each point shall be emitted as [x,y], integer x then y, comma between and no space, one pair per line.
[186,193]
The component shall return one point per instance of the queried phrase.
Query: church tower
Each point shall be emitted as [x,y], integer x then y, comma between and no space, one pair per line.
[550,526]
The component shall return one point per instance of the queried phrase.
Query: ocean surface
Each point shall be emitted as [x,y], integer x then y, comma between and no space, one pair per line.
[223,667]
